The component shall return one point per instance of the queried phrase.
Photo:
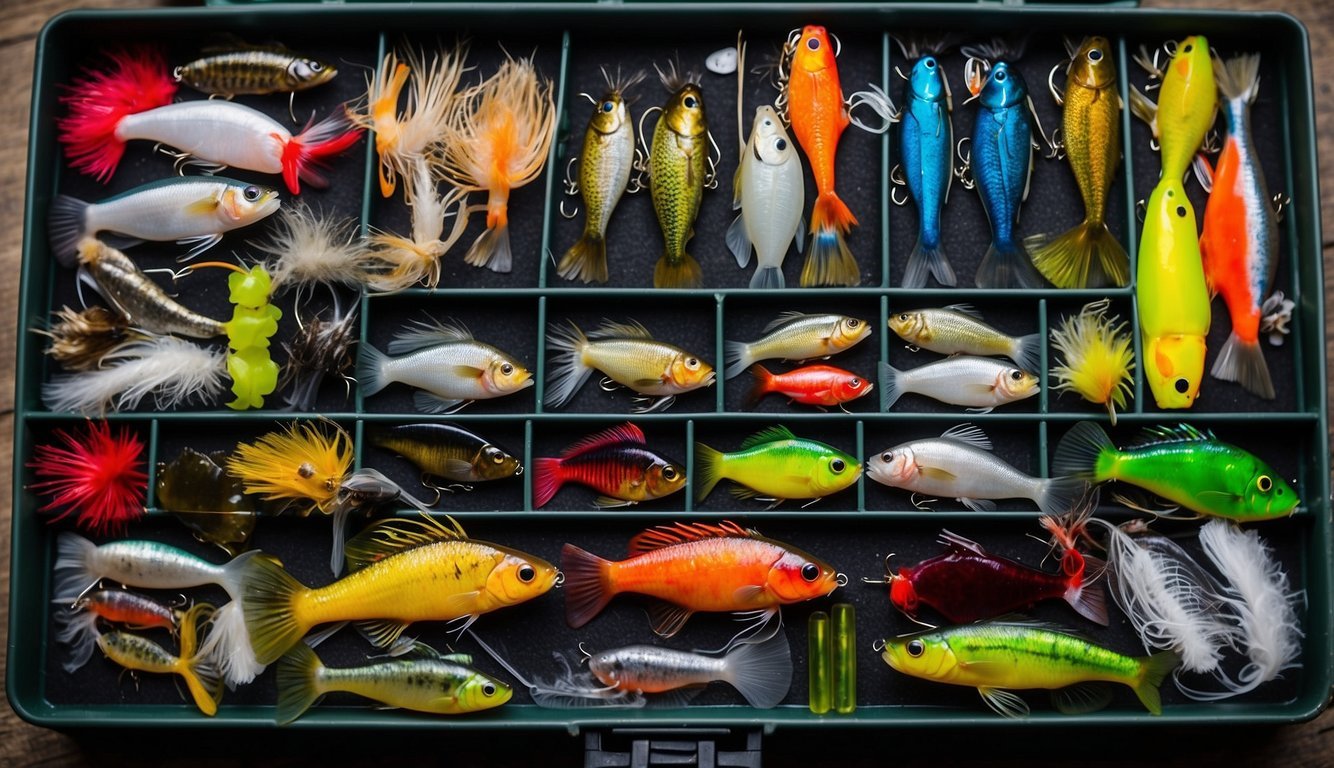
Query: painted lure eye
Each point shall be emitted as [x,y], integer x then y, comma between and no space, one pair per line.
[506,369]
[916,648]
[813,44]
[1264,483]
[527,574]
[690,102]
[669,473]
[488,689]
[810,571]
[1182,386]
[251,193]
[1095,55]
[837,466]
[608,106]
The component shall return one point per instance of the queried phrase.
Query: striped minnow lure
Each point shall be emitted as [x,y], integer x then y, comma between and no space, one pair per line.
[999,657]
[140,300]
[253,70]
[926,140]
[1239,245]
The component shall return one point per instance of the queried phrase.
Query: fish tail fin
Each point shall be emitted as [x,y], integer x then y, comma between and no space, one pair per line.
[491,249]
[547,479]
[66,225]
[1086,256]
[1153,670]
[201,675]
[77,567]
[1244,362]
[1006,265]
[762,386]
[372,369]
[76,629]
[683,273]
[761,672]
[1058,495]
[736,358]
[1239,77]
[928,260]
[1086,594]
[892,379]
[586,589]
[768,278]
[710,470]
[303,155]
[271,596]
[586,261]
[568,362]
[298,683]
[1080,451]
[1028,352]
[829,262]
[135,80]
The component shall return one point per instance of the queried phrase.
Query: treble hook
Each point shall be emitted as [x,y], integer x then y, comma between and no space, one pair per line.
[607,384]
[1056,143]
[1056,93]
[898,182]
[1280,201]
[1211,142]
[962,173]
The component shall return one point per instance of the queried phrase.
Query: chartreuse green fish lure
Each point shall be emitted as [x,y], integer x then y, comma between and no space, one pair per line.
[776,464]
[1183,465]
[1002,656]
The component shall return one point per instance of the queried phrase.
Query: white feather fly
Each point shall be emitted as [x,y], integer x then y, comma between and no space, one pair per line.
[228,646]
[401,262]
[308,249]
[172,370]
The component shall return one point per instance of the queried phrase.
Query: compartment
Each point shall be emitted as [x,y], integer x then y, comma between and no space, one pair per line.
[454,497]
[1062,310]
[668,439]
[727,437]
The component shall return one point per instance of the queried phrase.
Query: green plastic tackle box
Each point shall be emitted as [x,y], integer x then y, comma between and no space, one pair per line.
[856,529]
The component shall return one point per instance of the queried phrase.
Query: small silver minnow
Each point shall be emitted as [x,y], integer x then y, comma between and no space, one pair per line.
[796,336]
[958,330]
[979,383]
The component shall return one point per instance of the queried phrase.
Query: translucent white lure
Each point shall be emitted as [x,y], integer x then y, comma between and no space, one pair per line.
[980,383]
[771,193]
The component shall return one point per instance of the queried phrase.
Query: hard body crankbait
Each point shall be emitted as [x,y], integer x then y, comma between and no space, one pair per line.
[616,462]
[796,336]
[776,464]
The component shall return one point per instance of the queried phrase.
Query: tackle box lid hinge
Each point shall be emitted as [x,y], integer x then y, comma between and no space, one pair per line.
[645,747]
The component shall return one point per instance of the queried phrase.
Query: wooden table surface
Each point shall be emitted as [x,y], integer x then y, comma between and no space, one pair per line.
[1307,744]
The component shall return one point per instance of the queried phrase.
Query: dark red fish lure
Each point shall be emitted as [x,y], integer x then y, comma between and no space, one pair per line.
[812,385]
[967,584]
[616,463]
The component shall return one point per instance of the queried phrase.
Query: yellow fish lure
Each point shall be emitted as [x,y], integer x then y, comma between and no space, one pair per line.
[1187,103]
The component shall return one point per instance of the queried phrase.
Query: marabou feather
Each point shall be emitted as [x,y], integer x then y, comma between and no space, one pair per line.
[173,371]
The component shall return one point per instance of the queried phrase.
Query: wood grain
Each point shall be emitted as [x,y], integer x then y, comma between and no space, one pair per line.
[1309,744]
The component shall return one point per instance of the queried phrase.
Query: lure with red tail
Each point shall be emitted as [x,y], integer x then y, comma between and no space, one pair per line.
[616,463]
[132,100]
[822,385]
[1239,244]
[819,116]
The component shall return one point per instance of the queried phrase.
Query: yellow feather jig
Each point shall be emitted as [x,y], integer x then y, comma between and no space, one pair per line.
[1097,357]
[301,461]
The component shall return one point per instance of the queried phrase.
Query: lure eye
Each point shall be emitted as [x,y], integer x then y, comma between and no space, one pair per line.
[916,648]
[692,363]
[488,689]
[1000,76]
[929,63]
[315,66]
[506,369]
[251,193]
[1264,483]
[886,457]
[1095,55]
[1187,49]
[854,322]
[1016,375]
[903,317]
[690,102]
[669,473]
[527,574]
[810,571]
[1181,211]
[781,144]
[768,122]
[838,465]
[1182,386]
[855,383]
[813,44]
[608,106]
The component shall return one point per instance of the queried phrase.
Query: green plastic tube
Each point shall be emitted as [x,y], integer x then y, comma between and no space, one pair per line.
[818,648]
[844,661]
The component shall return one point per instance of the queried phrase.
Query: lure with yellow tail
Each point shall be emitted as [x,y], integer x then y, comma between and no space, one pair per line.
[399,572]
[201,677]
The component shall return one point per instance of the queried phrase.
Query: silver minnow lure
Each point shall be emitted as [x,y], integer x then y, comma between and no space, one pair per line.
[979,383]
[770,191]
[761,672]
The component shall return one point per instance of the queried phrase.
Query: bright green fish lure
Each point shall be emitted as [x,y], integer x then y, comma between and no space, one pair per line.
[1183,465]
[776,464]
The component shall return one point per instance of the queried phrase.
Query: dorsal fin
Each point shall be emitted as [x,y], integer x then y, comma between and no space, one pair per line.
[768,435]
[968,434]
[783,319]
[630,329]
[428,333]
[955,541]
[389,537]
[1178,434]
[965,309]
[670,535]
[621,433]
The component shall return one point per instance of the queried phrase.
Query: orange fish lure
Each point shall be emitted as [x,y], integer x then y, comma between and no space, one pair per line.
[699,567]
[819,115]
[822,385]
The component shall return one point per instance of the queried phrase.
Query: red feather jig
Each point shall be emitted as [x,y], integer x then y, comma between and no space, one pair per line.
[97,476]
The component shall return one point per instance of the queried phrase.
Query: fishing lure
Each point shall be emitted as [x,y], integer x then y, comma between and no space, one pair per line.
[925,143]
[998,657]
[958,329]
[77,624]
[796,336]
[79,340]
[1239,244]
[195,668]
[93,474]
[196,488]
[1002,162]
[605,162]
[444,361]
[959,465]
[819,115]
[136,297]
[213,133]
[1097,357]
[1087,256]
[678,161]
[822,385]
[1187,103]
[306,248]
[616,462]
[433,683]
[776,464]
[399,572]
[254,321]
[771,194]
[844,661]
[174,371]
[629,355]
[696,567]
[236,70]
[320,348]
[820,658]
[193,211]
[495,139]
[448,451]
[979,383]
[1184,465]
[398,262]
[403,139]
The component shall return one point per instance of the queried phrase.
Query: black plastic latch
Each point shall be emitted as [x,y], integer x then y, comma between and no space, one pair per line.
[643,747]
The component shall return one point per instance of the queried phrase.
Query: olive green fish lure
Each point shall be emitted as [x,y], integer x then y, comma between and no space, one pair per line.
[253,70]
[678,163]
[776,464]
[1183,465]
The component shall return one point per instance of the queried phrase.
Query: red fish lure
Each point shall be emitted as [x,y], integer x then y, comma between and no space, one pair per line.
[967,584]
[616,463]
[812,385]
